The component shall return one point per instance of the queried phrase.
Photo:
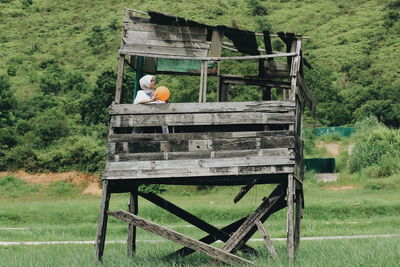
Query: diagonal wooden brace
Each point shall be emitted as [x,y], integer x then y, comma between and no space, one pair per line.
[216,234]
[179,238]
[235,241]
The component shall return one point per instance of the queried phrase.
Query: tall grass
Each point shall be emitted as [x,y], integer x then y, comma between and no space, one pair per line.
[358,252]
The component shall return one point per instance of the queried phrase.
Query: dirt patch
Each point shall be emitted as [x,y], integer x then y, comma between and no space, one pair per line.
[340,188]
[331,148]
[90,182]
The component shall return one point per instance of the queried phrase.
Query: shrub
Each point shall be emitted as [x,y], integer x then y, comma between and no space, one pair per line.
[50,125]
[97,36]
[12,71]
[379,147]
[256,8]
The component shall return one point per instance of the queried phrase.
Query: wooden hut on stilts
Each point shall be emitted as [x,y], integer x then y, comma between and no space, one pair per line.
[218,143]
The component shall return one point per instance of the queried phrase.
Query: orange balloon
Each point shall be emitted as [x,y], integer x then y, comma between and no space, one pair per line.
[163,93]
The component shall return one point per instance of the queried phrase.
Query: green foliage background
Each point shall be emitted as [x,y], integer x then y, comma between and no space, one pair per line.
[58,62]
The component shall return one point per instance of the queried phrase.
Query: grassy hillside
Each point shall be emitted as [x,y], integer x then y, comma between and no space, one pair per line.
[58,62]
[342,33]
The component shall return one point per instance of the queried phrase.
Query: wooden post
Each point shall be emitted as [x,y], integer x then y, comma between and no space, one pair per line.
[267,240]
[222,90]
[133,208]
[102,224]
[295,67]
[203,82]
[290,214]
[299,214]
[118,88]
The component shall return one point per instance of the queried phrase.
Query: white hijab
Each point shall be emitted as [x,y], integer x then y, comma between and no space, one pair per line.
[145,82]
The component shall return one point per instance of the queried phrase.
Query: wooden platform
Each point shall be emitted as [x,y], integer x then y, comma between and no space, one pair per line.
[208,143]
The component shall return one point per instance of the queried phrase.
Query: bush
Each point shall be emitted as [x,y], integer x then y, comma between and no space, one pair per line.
[49,126]
[97,37]
[379,147]
[257,9]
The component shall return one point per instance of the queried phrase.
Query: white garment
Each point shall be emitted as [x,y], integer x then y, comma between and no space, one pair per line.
[142,95]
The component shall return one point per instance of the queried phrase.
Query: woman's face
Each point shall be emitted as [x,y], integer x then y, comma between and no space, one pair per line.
[152,83]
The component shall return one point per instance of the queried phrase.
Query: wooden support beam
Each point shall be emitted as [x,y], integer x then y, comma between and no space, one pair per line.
[290,217]
[267,240]
[244,190]
[210,251]
[133,208]
[209,239]
[216,233]
[127,52]
[118,88]
[299,214]
[102,224]
[235,241]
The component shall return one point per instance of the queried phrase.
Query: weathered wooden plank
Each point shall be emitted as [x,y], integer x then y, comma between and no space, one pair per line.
[198,163]
[195,136]
[102,223]
[149,27]
[216,43]
[210,107]
[307,94]
[215,253]
[208,145]
[234,79]
[273,152]
[131,40]
[127,52]
[118,88]
[162,50]
[197,172]
[132,208]
[201,119]
[277,69]
[290,217]
[233,243]
[267,239]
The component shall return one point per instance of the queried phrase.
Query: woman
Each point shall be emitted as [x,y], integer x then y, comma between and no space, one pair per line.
[148,84]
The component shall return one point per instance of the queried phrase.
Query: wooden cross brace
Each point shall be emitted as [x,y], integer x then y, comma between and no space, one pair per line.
[215,253]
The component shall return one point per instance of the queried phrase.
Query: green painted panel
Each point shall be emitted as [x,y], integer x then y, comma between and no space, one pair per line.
[321,165]
[342,131]
[179,65]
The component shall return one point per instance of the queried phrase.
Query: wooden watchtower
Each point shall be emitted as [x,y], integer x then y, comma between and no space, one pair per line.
[207,143]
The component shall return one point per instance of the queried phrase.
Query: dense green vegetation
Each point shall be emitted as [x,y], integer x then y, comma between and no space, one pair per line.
[58,62]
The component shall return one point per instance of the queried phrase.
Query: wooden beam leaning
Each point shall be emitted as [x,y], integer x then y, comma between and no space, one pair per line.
[267,240]
[234,241]
[209,239]
[102,224]
[118,88]
[133,208]
[216,233]
[215,253]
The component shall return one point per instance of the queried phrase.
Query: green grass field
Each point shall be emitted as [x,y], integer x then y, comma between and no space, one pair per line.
[72,216]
